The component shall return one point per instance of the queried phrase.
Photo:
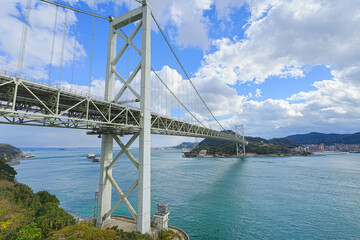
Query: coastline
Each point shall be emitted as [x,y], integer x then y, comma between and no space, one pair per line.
[212,174]
[254,155]
[16,160]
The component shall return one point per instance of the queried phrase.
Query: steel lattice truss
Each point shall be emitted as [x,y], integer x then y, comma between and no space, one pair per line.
[29,103]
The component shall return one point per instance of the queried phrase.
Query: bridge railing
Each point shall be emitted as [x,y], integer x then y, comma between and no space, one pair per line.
[47,83]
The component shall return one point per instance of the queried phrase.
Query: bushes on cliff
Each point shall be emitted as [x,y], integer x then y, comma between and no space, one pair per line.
[6,172]
[26,215]
[51,218]
[84,231]
[28,232]
[46,197]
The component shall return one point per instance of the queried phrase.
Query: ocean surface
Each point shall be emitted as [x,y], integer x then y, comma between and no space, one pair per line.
[219,198]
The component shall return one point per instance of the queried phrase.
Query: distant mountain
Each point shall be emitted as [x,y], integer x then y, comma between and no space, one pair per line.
[285,142]
[185,145]
[327,139]
[352,139]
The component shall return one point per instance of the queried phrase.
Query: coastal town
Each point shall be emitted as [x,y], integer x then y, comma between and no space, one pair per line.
[355,148]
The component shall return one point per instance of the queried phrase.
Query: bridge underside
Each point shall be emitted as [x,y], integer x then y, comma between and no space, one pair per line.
[29,103]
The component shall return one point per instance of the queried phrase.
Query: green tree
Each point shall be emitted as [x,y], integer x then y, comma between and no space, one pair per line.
[6,171]
[84,232]
[46,197]
[51,218]
[23,195]
[29,232]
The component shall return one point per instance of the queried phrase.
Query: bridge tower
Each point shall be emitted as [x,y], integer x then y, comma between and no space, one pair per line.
[240,147]
[142,216]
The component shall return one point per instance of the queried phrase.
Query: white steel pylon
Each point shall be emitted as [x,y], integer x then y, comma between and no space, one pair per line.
[240,147]
[106,181]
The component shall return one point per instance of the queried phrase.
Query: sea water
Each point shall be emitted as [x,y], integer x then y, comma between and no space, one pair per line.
[219,198]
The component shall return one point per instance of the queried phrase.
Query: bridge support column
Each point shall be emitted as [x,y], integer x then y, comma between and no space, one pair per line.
[143,214]
[104,199]
[240,146]
[144,188]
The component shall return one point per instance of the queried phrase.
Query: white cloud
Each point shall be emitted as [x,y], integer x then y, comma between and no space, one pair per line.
[184,19]
[38,44]
[283,37]
[291,35]
[258,93]
[224,8]
[187,25]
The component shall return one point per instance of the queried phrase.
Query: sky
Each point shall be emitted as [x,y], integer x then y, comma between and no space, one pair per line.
[277,67]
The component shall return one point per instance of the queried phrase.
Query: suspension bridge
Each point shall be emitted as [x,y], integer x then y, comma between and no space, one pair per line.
[156,105]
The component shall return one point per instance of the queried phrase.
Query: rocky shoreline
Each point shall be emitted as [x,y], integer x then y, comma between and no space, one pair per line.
[254,155]
[16,161]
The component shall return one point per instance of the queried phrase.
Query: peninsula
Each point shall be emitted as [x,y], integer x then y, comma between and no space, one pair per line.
[293,145]
[11,155]
[256,146]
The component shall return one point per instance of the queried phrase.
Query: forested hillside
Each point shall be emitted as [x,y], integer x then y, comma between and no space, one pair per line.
[25,214]
[9,152]
[327,139]
[185,145]
[255,145]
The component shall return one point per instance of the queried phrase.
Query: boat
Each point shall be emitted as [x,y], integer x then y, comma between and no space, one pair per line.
[92,157]
[186,150]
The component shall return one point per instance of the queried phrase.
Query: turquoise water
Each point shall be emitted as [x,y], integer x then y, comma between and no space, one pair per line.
[228,198]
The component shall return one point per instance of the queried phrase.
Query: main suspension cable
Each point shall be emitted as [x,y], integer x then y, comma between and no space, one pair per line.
[91,55]
[157,75]
[53,45]
[63,47]
[177,59]
[23,37]
[75,9]
[74,51]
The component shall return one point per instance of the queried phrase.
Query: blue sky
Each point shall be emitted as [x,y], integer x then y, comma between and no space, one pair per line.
[278,67]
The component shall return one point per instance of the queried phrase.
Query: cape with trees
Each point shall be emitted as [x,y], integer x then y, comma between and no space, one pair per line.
[255,145]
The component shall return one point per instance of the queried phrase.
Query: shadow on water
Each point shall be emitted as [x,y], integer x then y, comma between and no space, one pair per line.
[210,206]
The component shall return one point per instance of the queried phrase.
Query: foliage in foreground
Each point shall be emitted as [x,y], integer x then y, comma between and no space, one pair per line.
[26,215]
[169,235]
[84,231]
[6,172]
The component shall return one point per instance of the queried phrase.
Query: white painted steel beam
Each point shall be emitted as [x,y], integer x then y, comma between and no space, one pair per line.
[143,215]
[104,199]
[240,146]
[144,186]
[84,112]
[128,18]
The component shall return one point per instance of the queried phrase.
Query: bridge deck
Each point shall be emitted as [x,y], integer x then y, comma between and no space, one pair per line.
[30,103]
